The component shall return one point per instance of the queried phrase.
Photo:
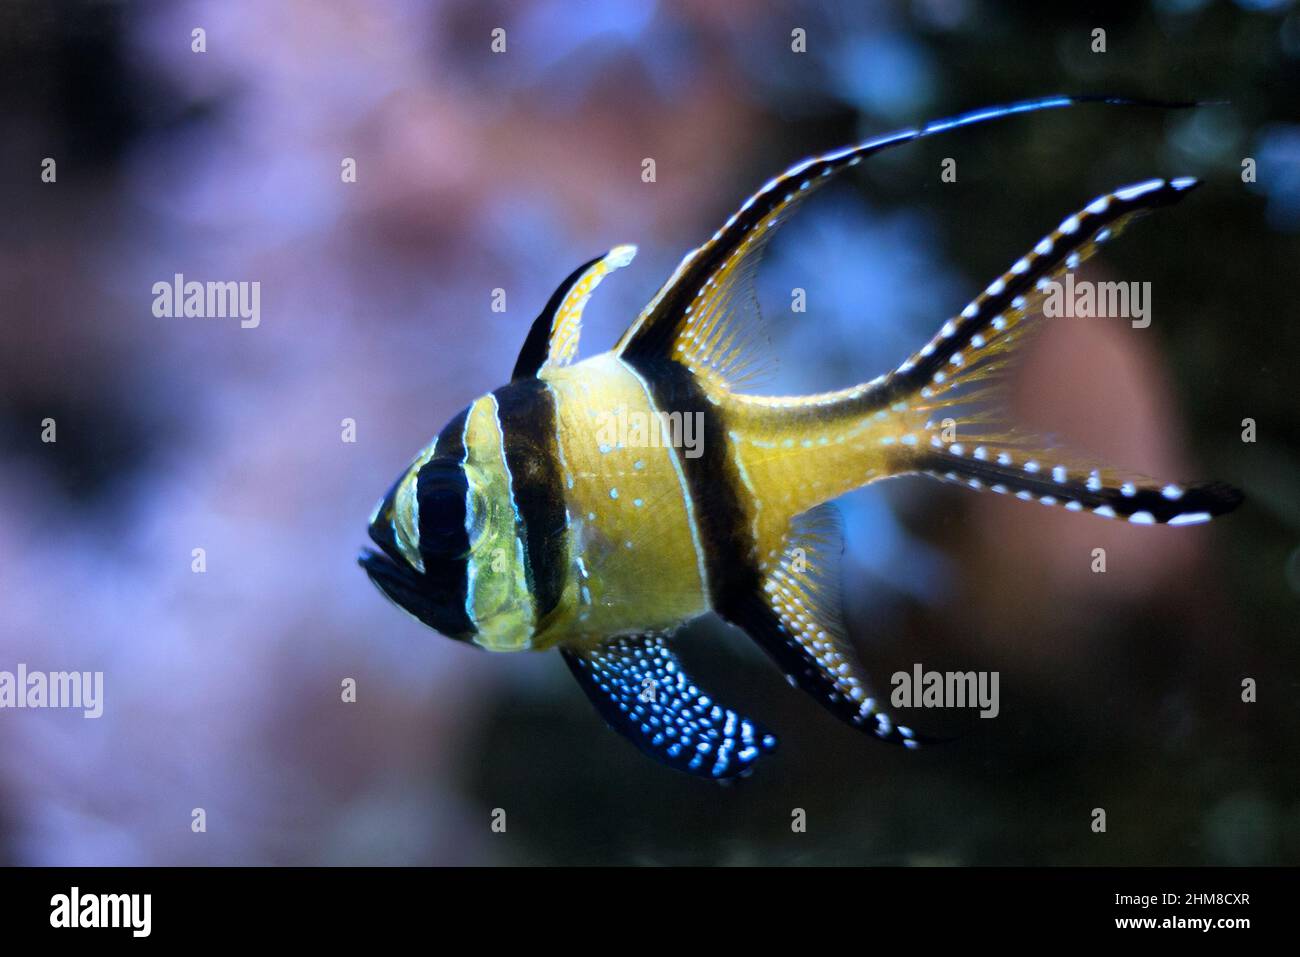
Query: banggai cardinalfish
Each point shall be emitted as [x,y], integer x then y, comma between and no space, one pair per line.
[597,506]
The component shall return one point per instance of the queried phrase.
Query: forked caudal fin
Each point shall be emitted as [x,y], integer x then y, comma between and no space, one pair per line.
[956,376]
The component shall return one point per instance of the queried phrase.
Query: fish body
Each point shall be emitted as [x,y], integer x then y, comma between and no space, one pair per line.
[597,506]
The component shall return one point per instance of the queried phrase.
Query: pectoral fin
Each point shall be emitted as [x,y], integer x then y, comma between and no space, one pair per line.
[553,338]
[638,685]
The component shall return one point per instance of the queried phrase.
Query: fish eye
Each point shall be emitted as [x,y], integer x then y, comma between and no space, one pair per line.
[442,491]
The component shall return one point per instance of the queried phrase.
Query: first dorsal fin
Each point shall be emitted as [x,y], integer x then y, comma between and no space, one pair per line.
[691,319]
[553,338]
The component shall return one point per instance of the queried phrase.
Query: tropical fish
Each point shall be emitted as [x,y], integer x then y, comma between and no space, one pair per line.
[564,510]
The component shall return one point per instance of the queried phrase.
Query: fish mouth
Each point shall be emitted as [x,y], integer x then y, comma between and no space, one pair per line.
[397,583]
[410,592]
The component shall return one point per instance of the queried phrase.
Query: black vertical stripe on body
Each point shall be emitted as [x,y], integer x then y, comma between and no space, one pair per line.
[527,417]
[721,521]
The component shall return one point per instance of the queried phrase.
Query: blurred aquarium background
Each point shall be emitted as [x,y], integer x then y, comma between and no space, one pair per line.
[478,171]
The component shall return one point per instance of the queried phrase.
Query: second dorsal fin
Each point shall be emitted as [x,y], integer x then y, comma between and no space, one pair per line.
[553,338]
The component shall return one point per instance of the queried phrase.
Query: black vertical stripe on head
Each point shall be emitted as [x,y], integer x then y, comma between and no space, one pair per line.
[527,416]
[441,490]
[437,479]
[445,582]
[721,521]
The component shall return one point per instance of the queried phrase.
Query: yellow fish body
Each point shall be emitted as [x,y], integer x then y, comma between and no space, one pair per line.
[597,506]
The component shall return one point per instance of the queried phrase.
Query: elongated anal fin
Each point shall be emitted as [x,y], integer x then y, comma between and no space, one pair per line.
[639,686]
[553,338]
[693,318]
[797,619]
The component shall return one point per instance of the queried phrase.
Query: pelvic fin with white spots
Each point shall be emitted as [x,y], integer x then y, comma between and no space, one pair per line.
[638,685]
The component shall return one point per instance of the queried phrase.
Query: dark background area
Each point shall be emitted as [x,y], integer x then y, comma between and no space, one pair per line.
[479,171]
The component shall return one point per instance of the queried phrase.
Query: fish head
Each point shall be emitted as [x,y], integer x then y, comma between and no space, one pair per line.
[423,528]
